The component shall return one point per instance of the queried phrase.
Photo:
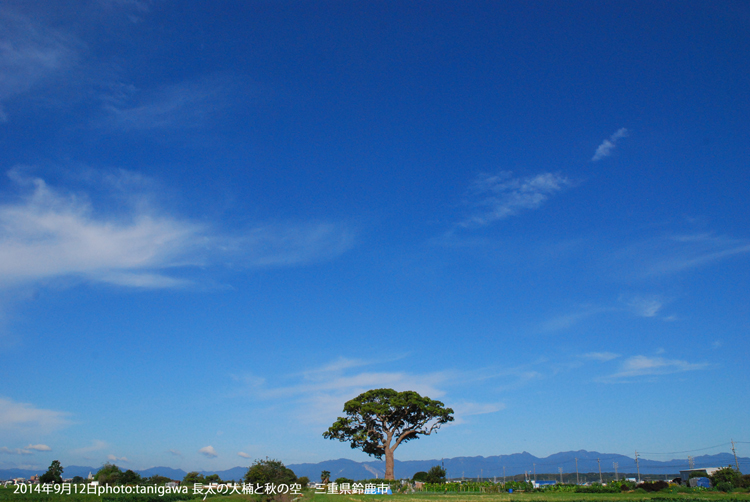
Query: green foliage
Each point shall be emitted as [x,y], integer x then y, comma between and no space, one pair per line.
[474,487]
[436,474]
[724,486]
[109,474]
[407,414]
[213,478]
[53,474]
[377,417]
[130,477]
[158,480]
[726,475]
[78,480]
[597,488]
[344,480]
[420,476]
[654,487]
[325,476]
[304,481]
[193,477]
[698,474]
[269,471]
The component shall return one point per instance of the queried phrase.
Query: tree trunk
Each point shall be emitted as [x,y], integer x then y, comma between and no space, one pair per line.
[389,464]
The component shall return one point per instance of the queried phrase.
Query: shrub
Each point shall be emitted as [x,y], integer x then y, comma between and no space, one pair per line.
[655,486]
[269,471]
[419,476]
[726,475]
[724,486]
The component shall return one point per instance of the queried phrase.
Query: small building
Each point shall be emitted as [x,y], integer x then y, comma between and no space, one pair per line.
[685,474]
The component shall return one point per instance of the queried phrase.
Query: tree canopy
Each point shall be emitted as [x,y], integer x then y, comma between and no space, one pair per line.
[53,474]
[379,420]
[436,474]
[269,471]
[109,474]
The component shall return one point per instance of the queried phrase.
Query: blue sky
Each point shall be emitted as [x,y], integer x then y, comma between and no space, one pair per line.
[221,220]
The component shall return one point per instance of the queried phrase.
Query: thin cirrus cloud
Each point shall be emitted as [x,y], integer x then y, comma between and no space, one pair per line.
[644,306]
[600,356]
[243,454]
[181,105]
[96,445]
[644,366]
[501,196]
[607,146]
[208,452]
[671,254]
[14,451]
[47,233]
[29,54]
[25,418]
[322,391]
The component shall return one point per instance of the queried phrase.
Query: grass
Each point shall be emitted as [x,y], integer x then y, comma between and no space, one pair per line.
[538,497]
[7,495]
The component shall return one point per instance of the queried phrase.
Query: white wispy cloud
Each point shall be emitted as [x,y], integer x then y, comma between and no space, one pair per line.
[96,445]
[467,408]
[600,356]
[608,145]
[566,321]
[644,306]
[30,53]
[26,418]
[322,391]
[49,233]
[114,458]
[14,451]
[208,451]
[642,366]
[500,196]
[186,104]
[38,447]
[176,453]
[243,454]
[672,254]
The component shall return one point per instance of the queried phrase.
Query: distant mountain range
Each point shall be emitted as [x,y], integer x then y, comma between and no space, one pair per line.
[458,467]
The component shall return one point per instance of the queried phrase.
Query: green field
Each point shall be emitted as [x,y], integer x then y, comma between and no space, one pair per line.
[7,495]
[540,497]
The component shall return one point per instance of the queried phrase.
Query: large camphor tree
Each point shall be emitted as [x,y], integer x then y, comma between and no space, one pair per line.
[379,420]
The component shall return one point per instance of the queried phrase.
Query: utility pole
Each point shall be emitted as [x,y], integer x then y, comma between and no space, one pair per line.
[616,465]
[735,457]
[561,481]
[503,476]
[534,473]
[578,481]
[637,466]
[600,471]
[691,462]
